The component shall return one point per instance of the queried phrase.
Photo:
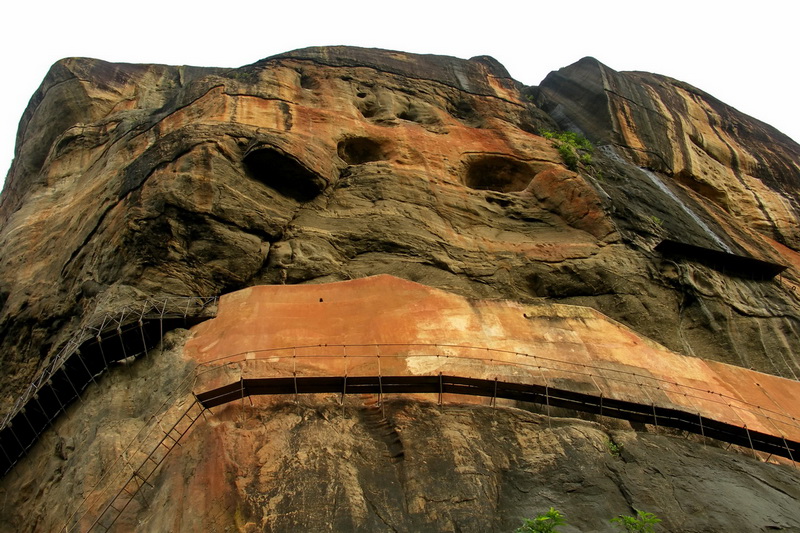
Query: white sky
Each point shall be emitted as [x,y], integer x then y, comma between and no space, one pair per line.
[744,53]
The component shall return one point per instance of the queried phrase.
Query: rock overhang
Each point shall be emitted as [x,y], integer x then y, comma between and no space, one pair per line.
[393,198]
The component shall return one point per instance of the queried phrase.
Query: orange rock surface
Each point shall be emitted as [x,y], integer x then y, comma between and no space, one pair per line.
[294,188]
[385,325]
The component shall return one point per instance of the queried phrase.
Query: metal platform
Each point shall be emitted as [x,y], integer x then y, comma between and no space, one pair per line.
[90,352]
[532,393]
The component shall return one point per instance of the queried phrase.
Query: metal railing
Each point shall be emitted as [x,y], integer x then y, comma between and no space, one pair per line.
[100,325]
[362,367]
[88,353]
[595,380]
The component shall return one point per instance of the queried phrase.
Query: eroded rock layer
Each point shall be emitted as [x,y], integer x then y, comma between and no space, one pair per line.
[385,326]
[330,164]
[738,163]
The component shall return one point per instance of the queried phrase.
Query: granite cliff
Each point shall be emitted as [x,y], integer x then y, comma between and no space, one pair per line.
[135,182]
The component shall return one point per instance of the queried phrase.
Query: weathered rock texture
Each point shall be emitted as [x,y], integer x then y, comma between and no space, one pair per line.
[743,166]
[278,466]
[386,326]
[327,164]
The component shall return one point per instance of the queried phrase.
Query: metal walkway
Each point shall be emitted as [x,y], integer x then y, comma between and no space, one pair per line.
[377,369]
[108,339]
[233,378]
[531,393]
[480,371]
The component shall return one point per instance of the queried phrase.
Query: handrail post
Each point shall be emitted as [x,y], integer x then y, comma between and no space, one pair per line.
[241,391]
[344,384]
[380,381]
[294,375]
[750,440]
[441,391]
[702,429]
[789,451]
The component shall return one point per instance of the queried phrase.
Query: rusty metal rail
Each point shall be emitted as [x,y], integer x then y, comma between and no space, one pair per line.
[144,471]
[539,394]
[106,340]
[293,373]
[548,381]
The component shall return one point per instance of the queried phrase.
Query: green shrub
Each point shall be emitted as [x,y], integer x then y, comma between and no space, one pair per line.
[641,523]
[572,146]
[569,156]
[613,448]
[542,523]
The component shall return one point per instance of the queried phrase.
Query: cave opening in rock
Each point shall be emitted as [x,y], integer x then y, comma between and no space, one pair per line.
[497,173]
[359,150]
[410,115]
[284,174]
[308,81]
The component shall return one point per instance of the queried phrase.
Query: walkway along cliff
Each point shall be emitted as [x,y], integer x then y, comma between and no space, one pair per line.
[368,290]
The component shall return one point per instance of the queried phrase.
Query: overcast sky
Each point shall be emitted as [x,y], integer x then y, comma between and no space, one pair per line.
[744,53]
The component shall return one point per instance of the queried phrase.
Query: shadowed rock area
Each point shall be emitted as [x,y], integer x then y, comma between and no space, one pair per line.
[335,163]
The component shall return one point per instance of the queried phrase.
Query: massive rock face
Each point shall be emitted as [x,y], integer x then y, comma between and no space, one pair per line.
[743,166]
[327,164]
[281,466]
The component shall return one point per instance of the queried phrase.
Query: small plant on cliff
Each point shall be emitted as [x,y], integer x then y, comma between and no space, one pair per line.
[542,523]
[568,155]
[641,523]
[613,448]
[572,146]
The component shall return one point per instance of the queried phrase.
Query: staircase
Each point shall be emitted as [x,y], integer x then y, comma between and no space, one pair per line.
[381,428]
[143,464]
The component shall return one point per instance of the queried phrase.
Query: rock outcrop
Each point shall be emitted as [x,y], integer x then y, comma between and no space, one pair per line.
[743,166]
[329,164]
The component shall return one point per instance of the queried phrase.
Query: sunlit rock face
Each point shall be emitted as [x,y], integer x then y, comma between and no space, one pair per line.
[738,163]
[403,460]
[329,164]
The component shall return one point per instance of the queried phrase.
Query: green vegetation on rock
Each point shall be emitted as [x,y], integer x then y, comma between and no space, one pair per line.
[572,146]
[542,523]
[547,522]
[613,448]
[641,523]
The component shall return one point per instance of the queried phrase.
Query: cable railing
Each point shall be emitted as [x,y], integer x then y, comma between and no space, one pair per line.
[107,338]
[598,382]
[115,473]
[376,369]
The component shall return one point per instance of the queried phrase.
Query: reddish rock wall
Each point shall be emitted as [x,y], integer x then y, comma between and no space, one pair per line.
[389,326]
[334,164]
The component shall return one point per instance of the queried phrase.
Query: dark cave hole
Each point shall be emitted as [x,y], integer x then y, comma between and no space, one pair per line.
[463,110]
[284,174]
[359,150]
[411,114]
[498,173]
[308,82]
[466,113]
